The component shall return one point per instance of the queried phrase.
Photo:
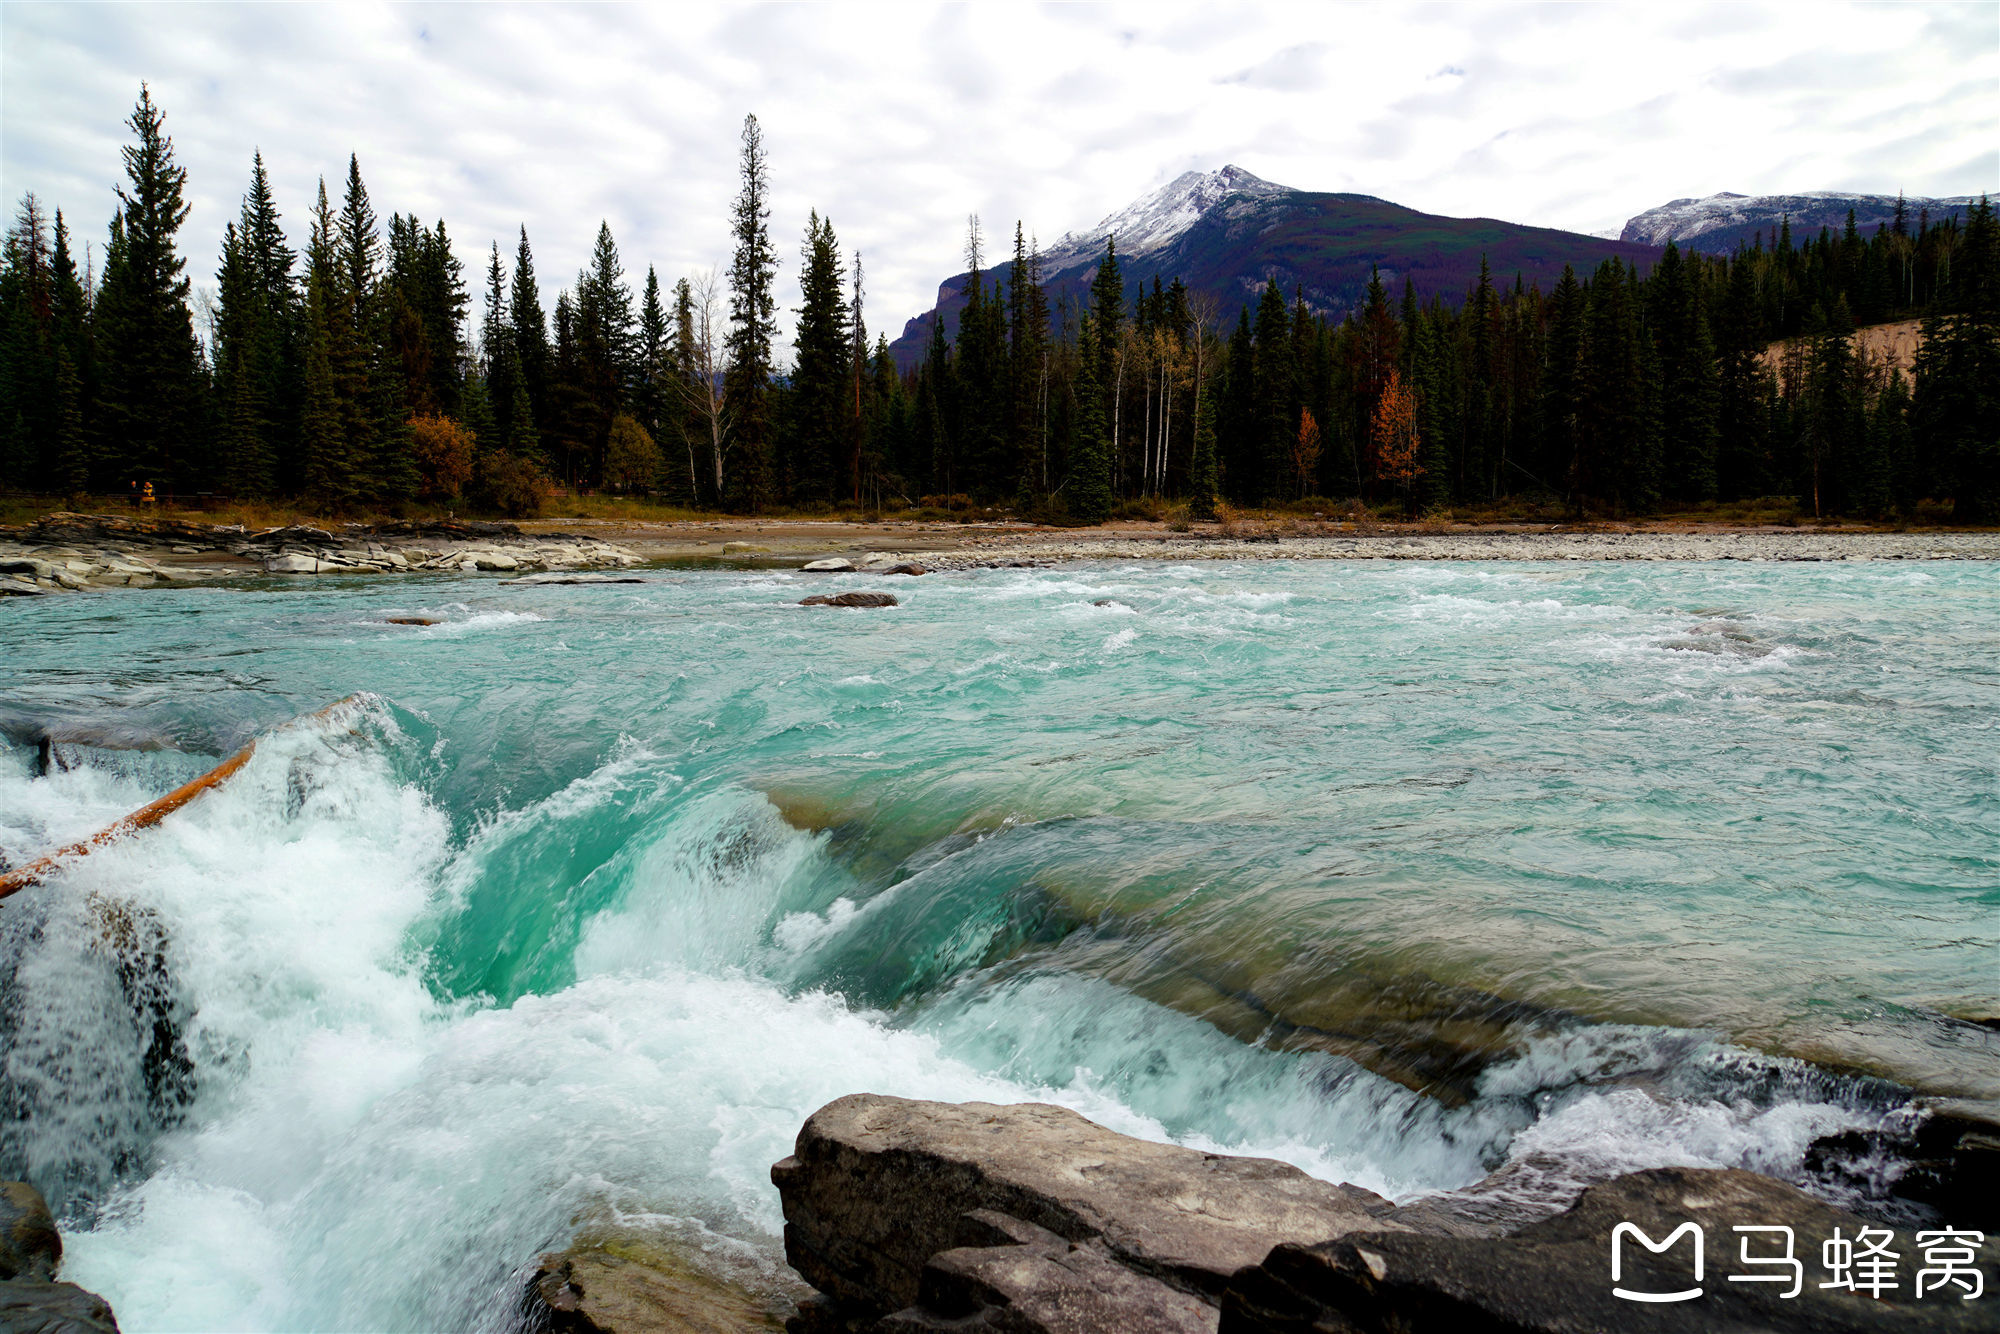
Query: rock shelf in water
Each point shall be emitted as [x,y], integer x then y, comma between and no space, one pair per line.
[917,1217]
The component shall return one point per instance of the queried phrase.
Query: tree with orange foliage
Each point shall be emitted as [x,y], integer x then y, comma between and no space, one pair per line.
[444,451]
[1394,434]
[1305,453]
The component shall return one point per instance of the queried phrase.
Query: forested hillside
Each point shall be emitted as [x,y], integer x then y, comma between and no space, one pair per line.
[369,372]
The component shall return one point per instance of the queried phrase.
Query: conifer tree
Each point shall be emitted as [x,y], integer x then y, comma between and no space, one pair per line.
[529,328]
[1277,413]
[753,312]
[818,446]
[149,394]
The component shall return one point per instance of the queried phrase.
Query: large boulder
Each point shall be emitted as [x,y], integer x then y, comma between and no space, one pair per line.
[829,565]
[30,1246]
[53,1308]
[633,1284]
[31,1301]
[884,1196]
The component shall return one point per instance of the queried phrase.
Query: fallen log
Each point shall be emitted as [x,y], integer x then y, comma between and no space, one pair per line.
[144,818]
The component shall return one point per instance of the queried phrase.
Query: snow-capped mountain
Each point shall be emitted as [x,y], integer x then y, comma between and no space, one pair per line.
[1721,222]
[1227,234]
[1154,221]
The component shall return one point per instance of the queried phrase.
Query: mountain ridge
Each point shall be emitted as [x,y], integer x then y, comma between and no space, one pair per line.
[1718,224]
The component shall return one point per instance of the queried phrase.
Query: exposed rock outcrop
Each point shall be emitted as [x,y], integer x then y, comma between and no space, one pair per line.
[31,1301]
[892,1205]
[931,1217]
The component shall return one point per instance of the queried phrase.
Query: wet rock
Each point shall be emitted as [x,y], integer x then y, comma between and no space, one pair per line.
[413,620]
[20,588]
[53,1308]
[849,600]
[636,1285]
[830,565]
[30,1247]
[906,567]
[1554,1277]
[1031,1218]
[1950,1160]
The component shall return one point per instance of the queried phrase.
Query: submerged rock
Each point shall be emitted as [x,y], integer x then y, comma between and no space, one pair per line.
[413,620]
[636,1285]
[850,600]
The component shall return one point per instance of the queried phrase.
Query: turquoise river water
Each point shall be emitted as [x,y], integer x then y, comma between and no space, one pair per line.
[1397,871]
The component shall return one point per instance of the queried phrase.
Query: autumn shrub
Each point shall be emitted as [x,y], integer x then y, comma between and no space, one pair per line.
[444,452]
[511,484]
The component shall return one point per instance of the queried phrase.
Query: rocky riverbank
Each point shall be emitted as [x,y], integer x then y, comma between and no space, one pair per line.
[70,552]
[921,1218]
[1800,545]
[64,552]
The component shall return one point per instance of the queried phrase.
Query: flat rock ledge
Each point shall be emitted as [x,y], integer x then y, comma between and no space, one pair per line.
[923,1217]
[71,552]
[31,1300]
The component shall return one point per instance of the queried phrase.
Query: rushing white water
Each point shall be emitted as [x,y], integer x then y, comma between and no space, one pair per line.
[520,944]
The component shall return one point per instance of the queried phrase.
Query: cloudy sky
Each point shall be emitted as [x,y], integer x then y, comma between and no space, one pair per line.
[899,120]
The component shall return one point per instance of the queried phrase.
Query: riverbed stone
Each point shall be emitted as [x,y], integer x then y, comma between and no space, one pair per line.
[828,565]
[30,1247]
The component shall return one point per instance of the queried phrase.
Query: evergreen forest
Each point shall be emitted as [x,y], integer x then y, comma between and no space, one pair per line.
[371,373]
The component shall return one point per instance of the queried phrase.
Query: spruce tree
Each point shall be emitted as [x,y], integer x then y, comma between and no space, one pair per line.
[149,392]
[819,435]
[529,328]
[1201,472]
[753,327]
[1277,412]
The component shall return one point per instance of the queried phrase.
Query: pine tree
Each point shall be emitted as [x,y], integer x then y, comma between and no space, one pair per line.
[753,312]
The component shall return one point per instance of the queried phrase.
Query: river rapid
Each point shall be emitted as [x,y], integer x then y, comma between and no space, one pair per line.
[1400,872]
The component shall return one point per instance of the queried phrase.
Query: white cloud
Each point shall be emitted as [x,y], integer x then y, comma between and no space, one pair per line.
[897,121]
